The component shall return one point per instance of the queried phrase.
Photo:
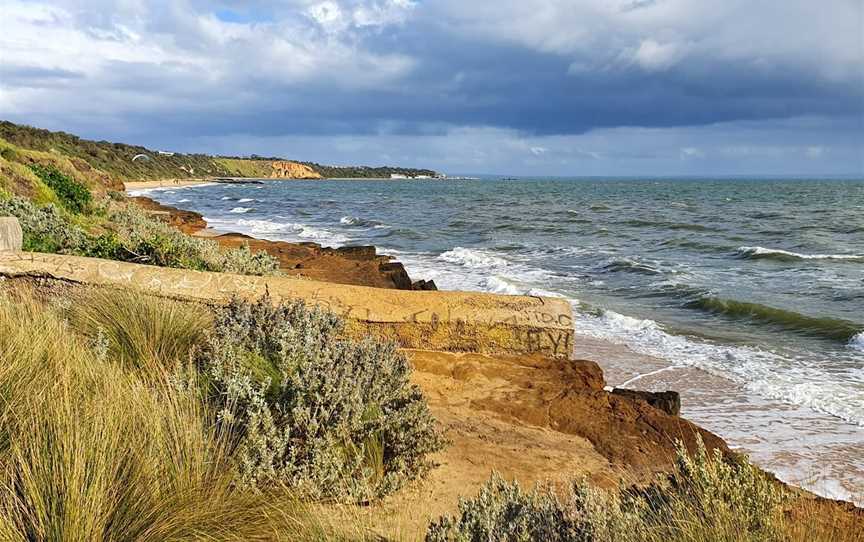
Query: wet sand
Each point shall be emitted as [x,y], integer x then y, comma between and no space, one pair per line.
[801,447]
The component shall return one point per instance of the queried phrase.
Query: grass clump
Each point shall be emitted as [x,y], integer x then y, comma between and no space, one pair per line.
[90,451]
[330,417]
[707,498]
[148,334]
[73,195]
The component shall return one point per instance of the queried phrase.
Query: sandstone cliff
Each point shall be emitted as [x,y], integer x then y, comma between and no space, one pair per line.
[285,169]
[266,169]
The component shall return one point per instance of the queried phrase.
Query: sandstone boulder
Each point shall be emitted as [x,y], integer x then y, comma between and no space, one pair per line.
[11,236]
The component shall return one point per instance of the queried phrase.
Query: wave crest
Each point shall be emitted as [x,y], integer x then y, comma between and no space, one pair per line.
[762,253]
[826,328]
[476,258]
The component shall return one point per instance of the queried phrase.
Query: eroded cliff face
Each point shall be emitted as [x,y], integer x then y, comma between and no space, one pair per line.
[284,169]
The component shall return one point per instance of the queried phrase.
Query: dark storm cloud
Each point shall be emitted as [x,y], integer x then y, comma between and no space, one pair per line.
[175,71]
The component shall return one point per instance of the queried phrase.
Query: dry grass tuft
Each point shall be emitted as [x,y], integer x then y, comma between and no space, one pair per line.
[143,332]
[91,451]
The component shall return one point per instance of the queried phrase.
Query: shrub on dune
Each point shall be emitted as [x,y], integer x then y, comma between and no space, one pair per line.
[707,498]
[331,417]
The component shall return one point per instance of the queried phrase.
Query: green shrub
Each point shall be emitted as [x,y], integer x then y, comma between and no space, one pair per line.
[9,154]
[333,418]
[45,228]
[135,237]
[502,511]
[706,498]
[73,195]
[154,242]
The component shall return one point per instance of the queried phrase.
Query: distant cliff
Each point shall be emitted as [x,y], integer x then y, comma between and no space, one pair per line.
[133,163]
[267,169]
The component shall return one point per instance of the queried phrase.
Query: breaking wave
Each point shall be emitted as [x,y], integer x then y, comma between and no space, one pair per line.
[240,210]
[361,222]
[826,328]
[753,368]
[476,258]
[762,253]
[288,230]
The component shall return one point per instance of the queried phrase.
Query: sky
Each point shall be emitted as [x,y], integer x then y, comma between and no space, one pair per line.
[521,87]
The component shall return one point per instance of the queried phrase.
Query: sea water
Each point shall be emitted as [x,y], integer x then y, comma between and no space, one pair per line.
[746,295]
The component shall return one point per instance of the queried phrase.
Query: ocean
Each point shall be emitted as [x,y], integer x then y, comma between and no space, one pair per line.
[746,295]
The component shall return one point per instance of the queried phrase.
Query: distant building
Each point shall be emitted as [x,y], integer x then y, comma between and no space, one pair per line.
[398,176]
[165,153]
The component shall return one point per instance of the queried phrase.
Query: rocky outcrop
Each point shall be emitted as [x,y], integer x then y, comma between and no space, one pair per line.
[559,397]
[358,265]
[667,401]
[285,169]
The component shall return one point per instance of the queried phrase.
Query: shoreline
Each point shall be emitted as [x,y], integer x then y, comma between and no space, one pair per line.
[354,265]
[164,183]
[634,370]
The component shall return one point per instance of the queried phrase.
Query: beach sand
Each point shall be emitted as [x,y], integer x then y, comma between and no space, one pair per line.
[177,183]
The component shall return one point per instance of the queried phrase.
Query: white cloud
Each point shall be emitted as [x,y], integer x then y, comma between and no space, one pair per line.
[329,15]
[654,56]
[822,37]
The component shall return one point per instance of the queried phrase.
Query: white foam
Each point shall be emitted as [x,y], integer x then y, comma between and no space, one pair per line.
[245,200]
[474,258]
[264,226]
[287,231]
[240,210]
[184,200]
[857,342]
[225,198]
[349,220]
[762,251]
[498,285]
[761,372]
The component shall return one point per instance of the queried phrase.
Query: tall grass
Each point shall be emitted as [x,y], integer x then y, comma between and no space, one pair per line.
[90,451]
[150,334]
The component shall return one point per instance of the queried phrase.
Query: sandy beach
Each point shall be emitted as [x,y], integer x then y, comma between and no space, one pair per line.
[177,183]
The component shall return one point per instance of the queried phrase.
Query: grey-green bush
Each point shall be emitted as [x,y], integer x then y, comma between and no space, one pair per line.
[331,417]
[707,498]
[154,242]
[133,236]
[45,228]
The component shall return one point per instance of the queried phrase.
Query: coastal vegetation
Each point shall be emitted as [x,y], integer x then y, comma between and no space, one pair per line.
[706,497]
[136,163]
[125,416]
[360,172]
[66,208]
[128,418]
